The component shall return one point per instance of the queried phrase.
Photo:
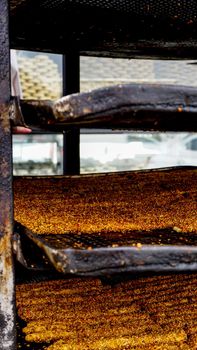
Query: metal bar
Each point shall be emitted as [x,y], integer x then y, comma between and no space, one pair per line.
[7,308]
[71,141]
[114,253]
[130,107]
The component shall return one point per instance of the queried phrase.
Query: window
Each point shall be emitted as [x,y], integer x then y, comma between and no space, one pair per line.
[101,151]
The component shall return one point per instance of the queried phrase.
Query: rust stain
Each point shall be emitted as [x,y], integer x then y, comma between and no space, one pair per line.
[4,168]
[87,110]
[180,109]
[4,117]
[6,294]
[6,260]
[7,306]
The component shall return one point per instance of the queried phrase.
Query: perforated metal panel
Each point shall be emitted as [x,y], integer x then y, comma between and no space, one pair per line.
[173,8]
[107,28]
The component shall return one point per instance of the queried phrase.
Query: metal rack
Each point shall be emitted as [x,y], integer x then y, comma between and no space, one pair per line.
[82,30]
[7,305]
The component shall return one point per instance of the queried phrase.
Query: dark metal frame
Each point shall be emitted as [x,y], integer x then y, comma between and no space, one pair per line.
[137,48]
[7,308]
[131,106]
[100,31]
[107,252]
[71,138]
[105,260]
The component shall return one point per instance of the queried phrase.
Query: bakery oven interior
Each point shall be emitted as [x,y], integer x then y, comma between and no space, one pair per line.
[104,261]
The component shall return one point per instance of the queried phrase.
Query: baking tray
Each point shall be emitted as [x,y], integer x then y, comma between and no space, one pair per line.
[97,243]
[119,28]
[135,252]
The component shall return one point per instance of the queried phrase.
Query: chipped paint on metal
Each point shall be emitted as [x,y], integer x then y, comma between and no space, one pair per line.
[7,300]
[7,317]
[6,295]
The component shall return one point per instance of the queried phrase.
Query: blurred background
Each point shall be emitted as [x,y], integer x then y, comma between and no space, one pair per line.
[101,150]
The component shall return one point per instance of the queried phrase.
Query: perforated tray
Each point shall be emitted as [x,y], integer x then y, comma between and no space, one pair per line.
[133,252]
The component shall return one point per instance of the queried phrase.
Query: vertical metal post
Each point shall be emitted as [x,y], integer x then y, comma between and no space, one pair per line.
[71,144]
[7,306]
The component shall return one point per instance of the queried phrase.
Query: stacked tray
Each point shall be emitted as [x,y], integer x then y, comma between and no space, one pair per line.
[127,106]
[118,28]
[98,225]
[157,312]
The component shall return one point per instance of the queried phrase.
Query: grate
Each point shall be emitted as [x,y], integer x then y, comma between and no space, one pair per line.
[115,239]
[101,255]
[127,106]
[107,28]
[159,9]
[102,239]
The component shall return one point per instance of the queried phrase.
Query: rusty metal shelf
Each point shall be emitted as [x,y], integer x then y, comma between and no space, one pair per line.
[119,28]
[83,27]
[103,200]
[129,106]
[136,252]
